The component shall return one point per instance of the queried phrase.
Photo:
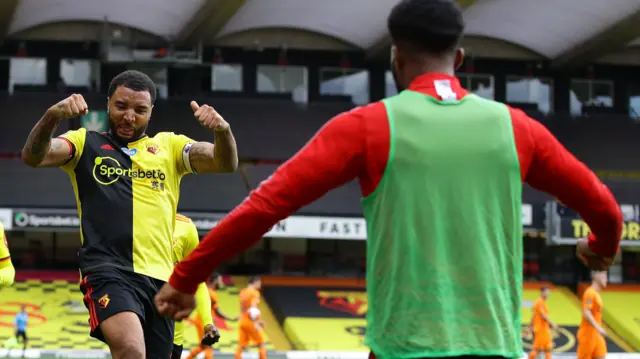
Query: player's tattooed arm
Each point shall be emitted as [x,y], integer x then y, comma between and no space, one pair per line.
[41,150]
[222,157]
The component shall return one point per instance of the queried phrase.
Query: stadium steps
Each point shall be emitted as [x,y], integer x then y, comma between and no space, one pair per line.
[58,318]
[319,314]
[621,339]
[323,315]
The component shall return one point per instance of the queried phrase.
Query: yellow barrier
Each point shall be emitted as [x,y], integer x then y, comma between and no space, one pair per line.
[622,313]
[58,318]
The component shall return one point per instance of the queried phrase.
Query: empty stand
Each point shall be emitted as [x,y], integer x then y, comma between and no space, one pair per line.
[344,200]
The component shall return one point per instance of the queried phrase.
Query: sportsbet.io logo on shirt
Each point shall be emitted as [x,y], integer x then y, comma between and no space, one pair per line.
[107,171]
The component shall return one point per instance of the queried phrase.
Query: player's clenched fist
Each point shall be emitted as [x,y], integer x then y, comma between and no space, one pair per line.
[590,259]
[70,107]
[209,117]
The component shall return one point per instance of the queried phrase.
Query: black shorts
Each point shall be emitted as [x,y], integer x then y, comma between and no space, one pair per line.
[176,353]
[109,291]
[21,334]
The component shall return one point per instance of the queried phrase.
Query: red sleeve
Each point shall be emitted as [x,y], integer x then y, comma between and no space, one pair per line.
[335,156]
[547,166]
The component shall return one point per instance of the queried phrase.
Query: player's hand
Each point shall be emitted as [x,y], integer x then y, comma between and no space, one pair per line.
[237,317]
[174,304]
[209,117]
[211,335]
[70,107]
[589,258]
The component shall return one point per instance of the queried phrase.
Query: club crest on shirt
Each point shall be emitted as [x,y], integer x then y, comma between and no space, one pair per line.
[152,148]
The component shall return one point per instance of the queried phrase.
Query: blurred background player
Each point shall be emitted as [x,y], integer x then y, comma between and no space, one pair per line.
[20,323]
[185,240]
[251,325]
[214,284]
[591,334]
[541,326]
[7,271]
[442,161]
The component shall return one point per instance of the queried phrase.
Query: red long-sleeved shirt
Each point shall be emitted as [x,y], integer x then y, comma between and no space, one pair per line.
[355,145]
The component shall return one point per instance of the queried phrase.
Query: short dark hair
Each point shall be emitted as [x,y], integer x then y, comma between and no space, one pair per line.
[543,288]
[430,26]
[135,80]
[253,279]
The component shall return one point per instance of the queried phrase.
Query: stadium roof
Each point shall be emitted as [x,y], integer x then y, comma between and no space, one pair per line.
[555,29]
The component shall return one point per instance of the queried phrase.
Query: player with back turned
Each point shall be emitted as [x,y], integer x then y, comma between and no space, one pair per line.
[127,186]
[442,160]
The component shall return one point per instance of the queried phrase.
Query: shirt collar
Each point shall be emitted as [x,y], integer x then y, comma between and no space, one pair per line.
[426,83]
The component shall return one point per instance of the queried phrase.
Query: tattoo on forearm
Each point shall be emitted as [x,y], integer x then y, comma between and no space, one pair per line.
[201,152]
[226,151]
[39,140]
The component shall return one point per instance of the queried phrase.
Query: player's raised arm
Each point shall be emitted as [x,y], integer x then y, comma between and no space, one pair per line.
[41,150]
[221,157]
[556,171]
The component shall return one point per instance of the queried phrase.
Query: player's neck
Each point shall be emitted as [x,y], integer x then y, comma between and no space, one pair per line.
[437,64]
[595,286]
[430,68]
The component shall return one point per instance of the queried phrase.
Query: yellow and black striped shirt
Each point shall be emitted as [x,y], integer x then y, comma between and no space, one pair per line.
[7,272]
[127,195]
